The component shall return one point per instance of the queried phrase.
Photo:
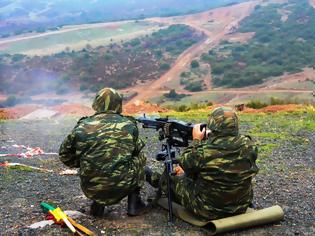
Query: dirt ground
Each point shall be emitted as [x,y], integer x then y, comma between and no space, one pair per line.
[286,178]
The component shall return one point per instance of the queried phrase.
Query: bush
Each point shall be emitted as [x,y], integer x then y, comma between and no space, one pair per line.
[194,64]
[194,86]
[255,104]
[184,75]
[165,66]
[182,108]
[173,95]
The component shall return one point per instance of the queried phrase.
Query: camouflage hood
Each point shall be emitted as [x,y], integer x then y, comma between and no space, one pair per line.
[223,121]
[108,100]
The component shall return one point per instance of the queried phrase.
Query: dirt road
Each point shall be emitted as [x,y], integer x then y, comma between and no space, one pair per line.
[226,20]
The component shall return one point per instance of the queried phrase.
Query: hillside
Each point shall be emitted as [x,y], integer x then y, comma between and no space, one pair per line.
[118,65]
[25,16]
[283,42]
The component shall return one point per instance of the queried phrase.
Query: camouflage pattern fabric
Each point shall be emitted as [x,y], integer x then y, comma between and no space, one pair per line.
[218,171]
[107,99]
[107,149]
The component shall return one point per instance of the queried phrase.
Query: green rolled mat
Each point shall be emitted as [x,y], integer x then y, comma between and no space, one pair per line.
[249,219]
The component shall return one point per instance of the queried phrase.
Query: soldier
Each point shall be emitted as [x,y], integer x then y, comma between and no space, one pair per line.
[107,149]
[214,175]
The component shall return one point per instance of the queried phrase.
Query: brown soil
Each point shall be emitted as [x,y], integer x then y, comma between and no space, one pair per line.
[16,112]
[73,109]
[142,107]
[76,109]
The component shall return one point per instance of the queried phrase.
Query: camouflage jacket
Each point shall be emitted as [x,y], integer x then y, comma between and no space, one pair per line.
[107,149]
[222,169]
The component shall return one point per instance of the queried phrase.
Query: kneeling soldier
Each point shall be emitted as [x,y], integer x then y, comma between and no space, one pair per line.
[107,149]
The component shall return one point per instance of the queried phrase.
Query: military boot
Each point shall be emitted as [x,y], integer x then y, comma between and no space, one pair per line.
[97,209]
[135,205]
[148,174]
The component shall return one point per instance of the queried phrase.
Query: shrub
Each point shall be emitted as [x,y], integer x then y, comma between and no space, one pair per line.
[182,108]
[255,104]
[184,74]
[165,66]
[173,95]
[194,86]
[194,64]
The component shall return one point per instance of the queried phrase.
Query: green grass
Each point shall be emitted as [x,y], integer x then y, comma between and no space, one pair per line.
[78,39]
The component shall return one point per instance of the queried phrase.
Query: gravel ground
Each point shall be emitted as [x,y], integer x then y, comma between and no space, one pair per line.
[286,178]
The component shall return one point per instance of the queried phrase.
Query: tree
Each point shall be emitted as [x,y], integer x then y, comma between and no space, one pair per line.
[165,66]
[194,64]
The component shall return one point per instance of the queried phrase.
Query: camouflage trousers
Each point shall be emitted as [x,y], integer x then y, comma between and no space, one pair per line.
[184,192]
[108,189]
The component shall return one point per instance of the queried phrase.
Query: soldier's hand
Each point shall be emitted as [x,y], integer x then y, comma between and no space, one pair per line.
[197,134]
[179,171]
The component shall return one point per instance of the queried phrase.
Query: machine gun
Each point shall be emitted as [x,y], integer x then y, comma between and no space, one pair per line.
[177,134]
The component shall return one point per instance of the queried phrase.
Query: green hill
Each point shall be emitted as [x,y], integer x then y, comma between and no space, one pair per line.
[284,42]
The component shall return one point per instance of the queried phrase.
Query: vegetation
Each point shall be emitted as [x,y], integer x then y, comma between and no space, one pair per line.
[189,106]
[195,86]
[193,80]
[256,104]
[279,46]
[194,64]
[172,95]
[116,65]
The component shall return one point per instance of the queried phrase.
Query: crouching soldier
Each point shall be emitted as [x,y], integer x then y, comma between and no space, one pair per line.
[107,149]
[215,175]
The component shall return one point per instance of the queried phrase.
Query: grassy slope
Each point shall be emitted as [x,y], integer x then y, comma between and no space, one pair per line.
[78,39]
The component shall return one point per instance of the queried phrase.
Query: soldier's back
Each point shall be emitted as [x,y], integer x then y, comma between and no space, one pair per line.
[105,143]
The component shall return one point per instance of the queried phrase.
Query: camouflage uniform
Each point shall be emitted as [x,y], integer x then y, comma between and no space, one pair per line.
[218,171]
[107,149]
